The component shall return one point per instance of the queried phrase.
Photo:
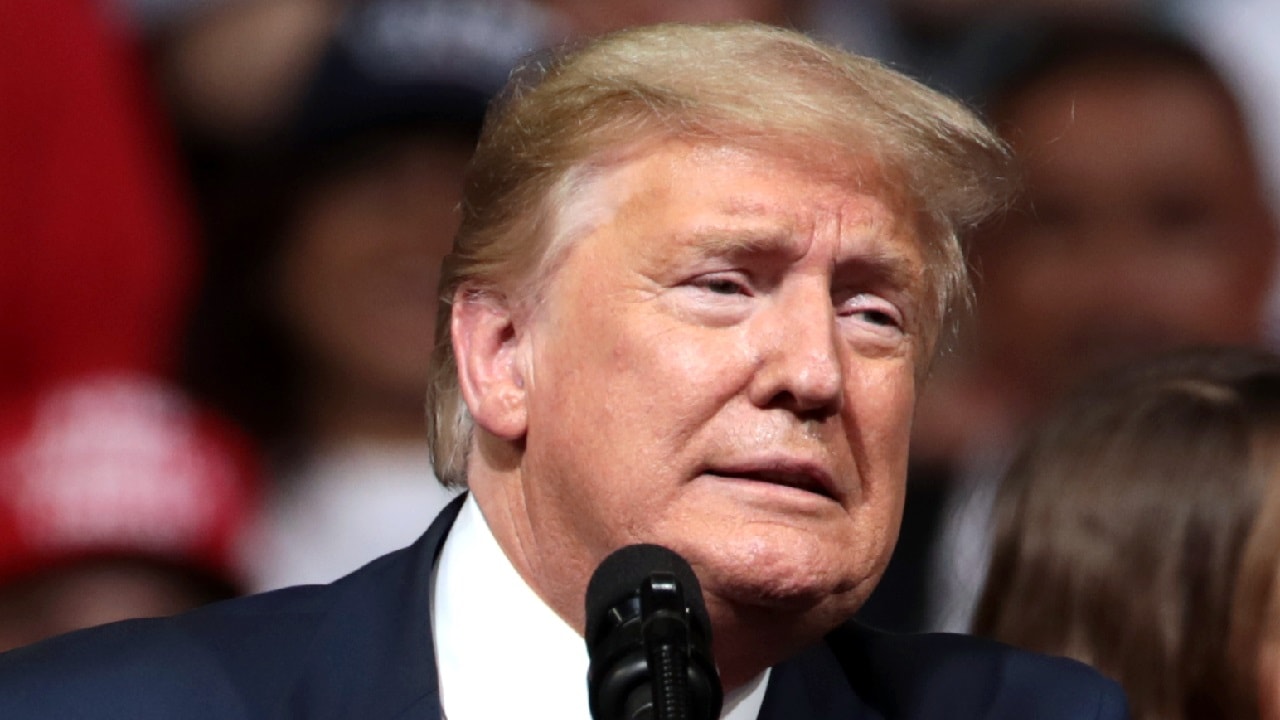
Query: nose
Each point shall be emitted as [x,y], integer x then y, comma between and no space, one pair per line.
[799,366]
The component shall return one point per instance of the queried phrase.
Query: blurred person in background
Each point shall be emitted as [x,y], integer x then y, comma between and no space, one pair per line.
[1121,527]
[1143,227]
[1144,224]
[96,249]
[1255,631]
[317,316]
[1238,37]
[118,497]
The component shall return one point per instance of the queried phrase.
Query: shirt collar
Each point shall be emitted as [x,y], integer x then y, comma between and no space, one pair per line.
[501,651]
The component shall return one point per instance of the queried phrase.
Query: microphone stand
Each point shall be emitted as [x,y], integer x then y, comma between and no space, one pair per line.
[649,639]
[666,645]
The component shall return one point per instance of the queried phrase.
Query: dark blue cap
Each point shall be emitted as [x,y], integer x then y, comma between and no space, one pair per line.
[414,63]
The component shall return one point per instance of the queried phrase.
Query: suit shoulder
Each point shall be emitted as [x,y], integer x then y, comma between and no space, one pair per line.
[964,676]
[215,662]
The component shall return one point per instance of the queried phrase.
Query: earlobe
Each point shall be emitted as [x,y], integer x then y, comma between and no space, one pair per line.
[486,345]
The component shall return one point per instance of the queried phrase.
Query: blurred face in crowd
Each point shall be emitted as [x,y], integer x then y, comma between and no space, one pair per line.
[1144,226]
[724,363]
[359,277]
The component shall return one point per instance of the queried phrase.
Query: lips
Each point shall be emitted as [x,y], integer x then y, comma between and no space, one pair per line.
[801,475]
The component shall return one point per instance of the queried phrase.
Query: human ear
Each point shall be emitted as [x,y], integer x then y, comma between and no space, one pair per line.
[487,347]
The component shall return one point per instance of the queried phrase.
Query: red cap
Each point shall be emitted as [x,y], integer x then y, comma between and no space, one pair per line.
[122,466]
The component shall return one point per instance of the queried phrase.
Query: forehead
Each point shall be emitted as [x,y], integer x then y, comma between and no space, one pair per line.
[703,197]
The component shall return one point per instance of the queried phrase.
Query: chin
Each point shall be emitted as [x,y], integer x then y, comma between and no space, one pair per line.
[762,573]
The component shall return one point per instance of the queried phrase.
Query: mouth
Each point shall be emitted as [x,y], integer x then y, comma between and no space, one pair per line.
[807,477]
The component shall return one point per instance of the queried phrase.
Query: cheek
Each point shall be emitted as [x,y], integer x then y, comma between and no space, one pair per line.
[882,401]
[617,386]
[879,411]
[662,370]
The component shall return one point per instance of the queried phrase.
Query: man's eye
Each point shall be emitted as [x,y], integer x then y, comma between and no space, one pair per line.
[873,310]
[723,286]
[879,317]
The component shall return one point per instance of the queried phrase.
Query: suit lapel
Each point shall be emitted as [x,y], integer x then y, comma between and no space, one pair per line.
[374,657]
[813,686]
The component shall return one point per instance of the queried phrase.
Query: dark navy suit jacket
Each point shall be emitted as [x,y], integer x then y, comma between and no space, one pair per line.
[361,649]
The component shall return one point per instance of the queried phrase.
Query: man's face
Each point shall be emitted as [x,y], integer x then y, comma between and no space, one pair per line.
[724,364]
[1146,228]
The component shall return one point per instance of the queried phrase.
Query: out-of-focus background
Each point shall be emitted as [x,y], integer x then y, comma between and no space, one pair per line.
[221,220]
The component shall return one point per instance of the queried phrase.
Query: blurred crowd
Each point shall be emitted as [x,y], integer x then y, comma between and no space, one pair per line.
[221,223]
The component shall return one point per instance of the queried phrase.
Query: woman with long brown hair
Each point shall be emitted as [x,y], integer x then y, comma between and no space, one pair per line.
[1121,527]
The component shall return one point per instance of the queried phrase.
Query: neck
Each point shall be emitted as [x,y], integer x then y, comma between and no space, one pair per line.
[548,563]
[745,642]
[748,641]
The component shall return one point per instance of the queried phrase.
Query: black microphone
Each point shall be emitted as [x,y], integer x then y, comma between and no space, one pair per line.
[649,639]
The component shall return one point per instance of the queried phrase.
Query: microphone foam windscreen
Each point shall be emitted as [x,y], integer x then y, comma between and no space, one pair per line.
[621,574]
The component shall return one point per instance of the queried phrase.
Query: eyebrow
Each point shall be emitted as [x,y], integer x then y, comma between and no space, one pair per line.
[893,268]
[720,241]
[890,268]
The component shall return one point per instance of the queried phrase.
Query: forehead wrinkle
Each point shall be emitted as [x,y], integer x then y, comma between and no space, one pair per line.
[782,230]
[872,233]
[868,238]
[893,268]
[730,241]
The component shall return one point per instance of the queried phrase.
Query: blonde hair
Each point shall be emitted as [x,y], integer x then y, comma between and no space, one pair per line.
[747,85]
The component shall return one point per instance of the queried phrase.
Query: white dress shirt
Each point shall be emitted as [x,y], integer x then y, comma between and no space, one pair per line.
[501,652]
